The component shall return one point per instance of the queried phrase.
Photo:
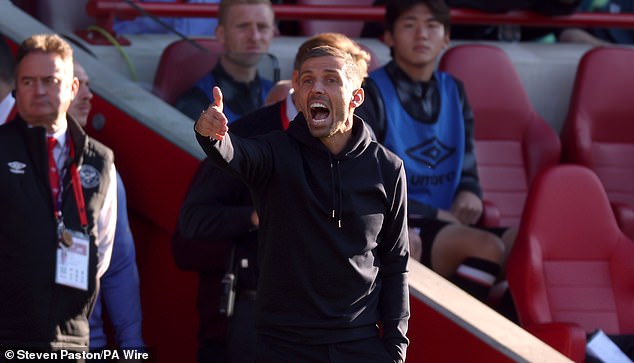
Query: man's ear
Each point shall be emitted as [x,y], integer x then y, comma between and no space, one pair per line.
[220,34]
[74,87]
[295,79]
[358,96]
[387,39]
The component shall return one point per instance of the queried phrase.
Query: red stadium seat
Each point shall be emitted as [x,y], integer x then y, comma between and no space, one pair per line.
[182,64]
[599,130]
[570,271]
[350,28]
[513,143]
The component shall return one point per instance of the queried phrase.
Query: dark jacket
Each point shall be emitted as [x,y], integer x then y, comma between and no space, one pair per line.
[333,245]
[239,97]
[212,219]
[35,310]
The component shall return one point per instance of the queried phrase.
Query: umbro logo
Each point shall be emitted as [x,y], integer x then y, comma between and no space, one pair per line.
[16,167]
[431,152]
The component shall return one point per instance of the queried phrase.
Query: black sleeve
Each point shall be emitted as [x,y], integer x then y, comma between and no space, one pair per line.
[216,211]
[192,103]
[469,179]
[216,206]
[394,252]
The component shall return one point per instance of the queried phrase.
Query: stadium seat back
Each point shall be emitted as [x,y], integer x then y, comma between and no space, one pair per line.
[182,64]
[513,143]
[350,28]
[571,263]
[599,129]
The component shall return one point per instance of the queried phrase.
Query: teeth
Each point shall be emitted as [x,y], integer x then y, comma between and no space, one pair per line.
[317,104]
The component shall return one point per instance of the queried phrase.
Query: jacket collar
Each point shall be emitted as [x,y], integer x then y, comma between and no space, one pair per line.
[36,139]
[360,140]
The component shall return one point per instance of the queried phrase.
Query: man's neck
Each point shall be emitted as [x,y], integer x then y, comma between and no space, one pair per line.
[337,142]
[416,72]
[237,72]
[51,126]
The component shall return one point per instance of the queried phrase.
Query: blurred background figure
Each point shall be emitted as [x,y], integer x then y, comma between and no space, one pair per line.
[7,65]
[601,36]
[245,30]
[119,291]
[185,26]
[217,229]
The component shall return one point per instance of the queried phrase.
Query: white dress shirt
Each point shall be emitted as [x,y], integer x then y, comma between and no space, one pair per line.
[107,220]
[5,107]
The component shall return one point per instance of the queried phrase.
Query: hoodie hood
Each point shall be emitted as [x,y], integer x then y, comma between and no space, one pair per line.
[360,140]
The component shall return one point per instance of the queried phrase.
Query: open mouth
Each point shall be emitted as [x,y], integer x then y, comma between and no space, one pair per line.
[319,111]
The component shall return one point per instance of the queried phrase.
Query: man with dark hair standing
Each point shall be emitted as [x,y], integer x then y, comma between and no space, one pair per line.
[119,286]
[246,29]
[333,247]
[59,201]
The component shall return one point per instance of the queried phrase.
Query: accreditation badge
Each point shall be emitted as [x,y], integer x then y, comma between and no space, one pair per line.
[72,262]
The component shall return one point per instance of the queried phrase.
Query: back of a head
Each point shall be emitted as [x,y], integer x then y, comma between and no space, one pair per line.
[7,63]
[224,6]
[395,8]
[338,41]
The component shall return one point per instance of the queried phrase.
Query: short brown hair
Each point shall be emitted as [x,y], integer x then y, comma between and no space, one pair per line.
[340,41]
[351,67]
[46,43]
[223,7]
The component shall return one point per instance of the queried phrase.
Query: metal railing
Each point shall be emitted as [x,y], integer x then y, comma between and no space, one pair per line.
[104,11]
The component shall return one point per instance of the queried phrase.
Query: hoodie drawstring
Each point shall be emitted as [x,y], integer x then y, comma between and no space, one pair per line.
[335,179]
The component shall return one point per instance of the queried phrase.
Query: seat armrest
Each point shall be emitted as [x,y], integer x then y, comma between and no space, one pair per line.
[567,338]
[624,217]
[490,215]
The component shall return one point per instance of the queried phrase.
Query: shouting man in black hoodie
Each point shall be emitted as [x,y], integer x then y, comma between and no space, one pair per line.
[333,245]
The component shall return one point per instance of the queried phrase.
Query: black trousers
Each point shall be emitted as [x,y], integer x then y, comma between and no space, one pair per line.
[273,350]
[242,338]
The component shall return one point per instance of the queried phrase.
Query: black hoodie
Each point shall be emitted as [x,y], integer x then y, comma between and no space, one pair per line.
[333,246]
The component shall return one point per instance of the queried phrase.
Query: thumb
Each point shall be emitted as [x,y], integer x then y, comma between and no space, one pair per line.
[218,98]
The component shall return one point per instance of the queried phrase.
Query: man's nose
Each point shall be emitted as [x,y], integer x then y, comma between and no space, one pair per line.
[254,32]
[318,87]
[40,88]
[422,31]
[85,93]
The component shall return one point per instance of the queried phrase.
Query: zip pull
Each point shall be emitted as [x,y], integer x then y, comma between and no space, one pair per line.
[339,222]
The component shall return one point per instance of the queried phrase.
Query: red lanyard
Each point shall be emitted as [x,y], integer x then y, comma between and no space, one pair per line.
[79,195]
[76,183]
[283,115]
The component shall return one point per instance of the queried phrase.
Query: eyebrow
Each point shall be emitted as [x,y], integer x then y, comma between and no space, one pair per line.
[413,17]
[328,70]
